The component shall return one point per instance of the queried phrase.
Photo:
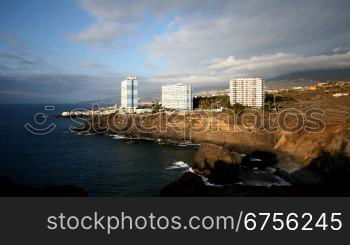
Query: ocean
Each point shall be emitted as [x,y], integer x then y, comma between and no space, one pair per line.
[101,165]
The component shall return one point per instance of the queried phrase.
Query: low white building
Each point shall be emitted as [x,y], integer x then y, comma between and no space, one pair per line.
[298,88]
[340,94]
[177,97]
[143,110]
[247,91]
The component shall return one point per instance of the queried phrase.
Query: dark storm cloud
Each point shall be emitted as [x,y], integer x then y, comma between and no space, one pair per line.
[4,68]
[58,88]
[218,29]
[204,43]
[17,63]
[246,37]
[7,57]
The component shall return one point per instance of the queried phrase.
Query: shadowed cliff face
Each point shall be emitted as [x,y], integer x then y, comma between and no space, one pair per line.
[333,140]
[190,185]
[224,129]
[216,173]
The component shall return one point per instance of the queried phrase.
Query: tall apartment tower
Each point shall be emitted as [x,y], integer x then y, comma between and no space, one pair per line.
[247,91]
[128,92]
[178,97]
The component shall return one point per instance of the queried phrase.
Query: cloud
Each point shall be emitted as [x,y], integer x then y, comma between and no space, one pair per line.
[117,18]
[149,65]
[201,32]
[341,50]
[113,19]
[279,63]
[103,33]
[202,42]
[218,72]
[91,64]
[16,58]
[63,88]
[10,62]
[13,42]
[254,38]
[251,28]
[60,88]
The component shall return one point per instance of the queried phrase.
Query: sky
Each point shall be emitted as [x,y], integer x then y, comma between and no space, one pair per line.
[69,51]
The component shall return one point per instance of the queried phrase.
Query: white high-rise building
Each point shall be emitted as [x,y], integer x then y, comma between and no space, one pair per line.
[247,91]
[178,97]
[129,99]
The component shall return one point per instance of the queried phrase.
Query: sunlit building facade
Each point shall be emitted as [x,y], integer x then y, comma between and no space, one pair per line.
[247,91]
[178,97]
[129,94]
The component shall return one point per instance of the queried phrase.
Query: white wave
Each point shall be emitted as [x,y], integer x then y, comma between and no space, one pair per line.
[204,179]
[207,183]
[178,165]
[85,134]
[252,159]
[279,182]
[118,137]
[271,170]
[266,178]
[191,170]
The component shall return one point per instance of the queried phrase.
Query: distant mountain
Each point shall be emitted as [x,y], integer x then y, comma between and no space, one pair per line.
[319,75]
[110,101]
[306,78]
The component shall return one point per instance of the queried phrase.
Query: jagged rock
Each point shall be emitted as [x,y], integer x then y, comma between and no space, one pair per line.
[224,173]
[217,163]
[191,185]
[335,168]
[188,185]
[208,154]
[306,146]
[259,159]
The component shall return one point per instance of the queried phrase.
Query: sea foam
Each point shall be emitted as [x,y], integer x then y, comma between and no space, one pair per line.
[178,165]
[118,137]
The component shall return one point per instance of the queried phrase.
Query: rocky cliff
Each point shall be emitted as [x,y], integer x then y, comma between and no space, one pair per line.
[222,129]
[306,146]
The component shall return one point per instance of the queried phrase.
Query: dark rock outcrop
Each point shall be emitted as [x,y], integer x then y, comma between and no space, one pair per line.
[191,185]
[335,168]
[259,159]
[217,163]
[208,154]
[188,185]
[224,173]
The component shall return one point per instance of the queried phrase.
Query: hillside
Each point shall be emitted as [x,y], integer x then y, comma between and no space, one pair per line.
[320,75]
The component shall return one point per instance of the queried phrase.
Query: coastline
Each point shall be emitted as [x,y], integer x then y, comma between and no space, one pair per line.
[293,167]
[293,180]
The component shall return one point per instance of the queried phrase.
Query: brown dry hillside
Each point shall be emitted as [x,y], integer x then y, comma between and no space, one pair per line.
[320,124]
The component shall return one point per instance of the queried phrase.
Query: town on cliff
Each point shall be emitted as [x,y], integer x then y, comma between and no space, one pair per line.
[298,139]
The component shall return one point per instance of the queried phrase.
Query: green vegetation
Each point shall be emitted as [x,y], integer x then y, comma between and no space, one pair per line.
[156,107]
[213,102]
[271,99]
[237,107]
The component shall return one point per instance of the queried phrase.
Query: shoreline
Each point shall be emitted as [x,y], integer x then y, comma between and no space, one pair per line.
[296,153]
[278,174]
[286,161]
